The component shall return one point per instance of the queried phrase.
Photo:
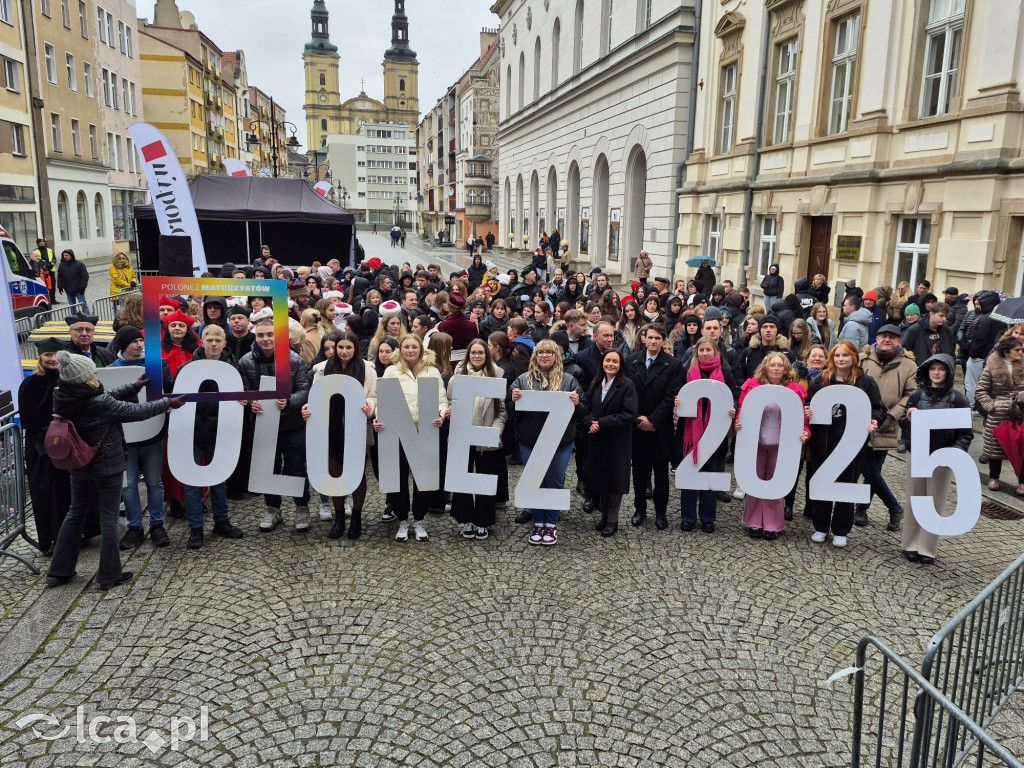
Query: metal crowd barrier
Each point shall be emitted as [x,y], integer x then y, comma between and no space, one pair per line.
[977,659]
[12,492]
[907,713]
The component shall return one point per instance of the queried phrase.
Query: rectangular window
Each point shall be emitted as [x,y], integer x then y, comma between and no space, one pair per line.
[135,104]
[55,138]
[727,109]
[120,152]
[18,140]
[65,13]
[611,28]
[943,36]
[90,89]
[51,63]
[111,151]
[844,70]
[101,19]
[785,87]
[110,29]
[648,18]
[11,74]
[76,137]
[105,76]
[121,37]
[126,100]
[44,8]
[93,143]
[128,42]
[5,11]
[713,238]
[83,19]
[113,91]
[912,250]
[129,150]
[766,251]
[72,74]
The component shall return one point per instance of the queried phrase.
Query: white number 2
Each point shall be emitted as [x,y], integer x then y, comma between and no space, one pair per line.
[824,485]
[719,399]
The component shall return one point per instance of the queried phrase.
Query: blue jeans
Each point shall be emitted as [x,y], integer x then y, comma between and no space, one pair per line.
[553,478]
[290,459]
[707,501]
[105,491]
[194,494]
[79,298]
[871,468]
[149,459]
[972,376]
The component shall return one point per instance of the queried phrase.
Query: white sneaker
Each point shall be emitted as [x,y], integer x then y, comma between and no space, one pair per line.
[271,519]
[469,531]
[326,511]
[421,530]
[403,531]
[839,541]
[302,518]
[820,538]
[739,494]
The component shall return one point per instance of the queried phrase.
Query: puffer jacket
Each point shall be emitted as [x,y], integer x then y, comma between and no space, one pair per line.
[528,424]
[986,331]
[98,414]
[255,364]
[927,397]
[996,391]
[855,328]
[897,381]
[72,275]
[410,388]
[773,284]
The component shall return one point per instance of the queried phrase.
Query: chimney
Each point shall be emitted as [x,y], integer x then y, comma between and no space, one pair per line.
[488,37]
[166,14]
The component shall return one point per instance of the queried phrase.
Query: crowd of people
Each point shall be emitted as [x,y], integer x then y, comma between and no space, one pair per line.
[621,359]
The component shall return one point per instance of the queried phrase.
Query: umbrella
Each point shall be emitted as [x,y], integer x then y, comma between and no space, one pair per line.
[1010,311]
[698,261]
[1010,435]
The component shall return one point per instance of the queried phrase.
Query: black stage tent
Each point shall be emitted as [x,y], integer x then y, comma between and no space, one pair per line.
[238,214]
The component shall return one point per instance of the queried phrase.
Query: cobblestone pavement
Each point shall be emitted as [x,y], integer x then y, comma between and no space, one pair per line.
[652,648]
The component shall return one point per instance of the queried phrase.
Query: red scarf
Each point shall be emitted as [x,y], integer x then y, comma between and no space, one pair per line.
[695,427]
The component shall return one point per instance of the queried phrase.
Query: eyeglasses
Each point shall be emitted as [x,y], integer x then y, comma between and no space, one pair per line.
[544,354]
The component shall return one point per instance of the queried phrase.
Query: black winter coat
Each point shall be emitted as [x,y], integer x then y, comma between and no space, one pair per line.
[825,437]
[657,389]
[98,415]
[254,365]
[101,356]
[610,456]
[773,284]
[528,424]
[72,276]
[926,397]
[35,404]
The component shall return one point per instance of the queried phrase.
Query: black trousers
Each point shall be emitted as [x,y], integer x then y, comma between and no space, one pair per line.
[51,494]
[648,457]
[479,510]
[400,501]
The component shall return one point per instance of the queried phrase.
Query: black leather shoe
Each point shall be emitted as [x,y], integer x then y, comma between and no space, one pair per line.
[911,556]
[338,529]
[601,523]
[524,517]
[755,533]
[860,516]
[788,512]
[227,530]
[707,527]
[661,521]
[686,525]
[609,530]
[57,581]
[638,519]
[925,560]
[124,578]
[588,506]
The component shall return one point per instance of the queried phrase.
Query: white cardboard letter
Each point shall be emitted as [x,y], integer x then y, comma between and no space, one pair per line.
[965,472]
[318,435]
[421,445]
[823,485]
[719,397]
[134,431]
[262,478]
[463,435]
[559,408]
[788,464]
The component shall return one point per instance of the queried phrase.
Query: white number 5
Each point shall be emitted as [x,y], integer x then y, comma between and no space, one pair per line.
[965,472]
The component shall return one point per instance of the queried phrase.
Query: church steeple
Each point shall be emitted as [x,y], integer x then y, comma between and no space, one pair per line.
[400,50]
[321,42]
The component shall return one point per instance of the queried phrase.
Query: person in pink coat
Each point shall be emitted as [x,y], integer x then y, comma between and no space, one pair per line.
[765,518]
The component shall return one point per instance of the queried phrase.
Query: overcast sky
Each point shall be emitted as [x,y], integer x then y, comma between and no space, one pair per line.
[445,36]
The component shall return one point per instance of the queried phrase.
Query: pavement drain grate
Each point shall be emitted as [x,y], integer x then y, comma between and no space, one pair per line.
[997,511]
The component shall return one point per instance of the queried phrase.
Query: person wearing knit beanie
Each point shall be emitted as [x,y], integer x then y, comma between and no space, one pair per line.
[126,336]
[74,369]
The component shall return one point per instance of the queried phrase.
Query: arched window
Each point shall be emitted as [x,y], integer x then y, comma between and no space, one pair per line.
[323,124]
[323,79]
[556,34]
[401,84]
[508,91]
[522,80]
[98,214]
[63,216]
[577,54]
[82,207]
[536,70]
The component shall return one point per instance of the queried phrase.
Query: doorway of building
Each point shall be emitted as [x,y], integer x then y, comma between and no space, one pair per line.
[820,252]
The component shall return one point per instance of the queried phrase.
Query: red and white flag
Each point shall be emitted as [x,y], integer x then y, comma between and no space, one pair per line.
[236,167]
[324,188]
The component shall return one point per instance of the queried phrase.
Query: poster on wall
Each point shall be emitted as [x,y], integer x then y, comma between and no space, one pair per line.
[561,222]
[613,234]
[526,225]
[585,231]
[542,220]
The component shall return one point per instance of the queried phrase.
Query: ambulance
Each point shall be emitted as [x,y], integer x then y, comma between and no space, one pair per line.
[29,294]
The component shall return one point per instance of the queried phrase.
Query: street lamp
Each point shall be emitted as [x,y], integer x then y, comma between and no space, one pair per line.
[344,198]
[252,140]
[398,203]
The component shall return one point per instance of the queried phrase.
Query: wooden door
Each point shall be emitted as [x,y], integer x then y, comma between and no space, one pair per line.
[821,247]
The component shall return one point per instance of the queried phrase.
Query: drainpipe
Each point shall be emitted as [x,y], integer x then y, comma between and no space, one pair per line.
[692,119]
[748,196]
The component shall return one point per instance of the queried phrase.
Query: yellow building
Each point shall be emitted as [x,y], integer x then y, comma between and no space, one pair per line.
[326,113]
[185,94]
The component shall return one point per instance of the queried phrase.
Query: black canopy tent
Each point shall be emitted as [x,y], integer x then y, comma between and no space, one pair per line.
[238,214]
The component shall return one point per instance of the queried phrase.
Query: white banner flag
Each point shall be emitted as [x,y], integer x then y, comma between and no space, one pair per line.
[171,196]
[324,188]
[236,167]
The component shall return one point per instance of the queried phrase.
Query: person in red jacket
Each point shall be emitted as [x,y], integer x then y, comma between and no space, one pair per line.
[458,326]
[179,342]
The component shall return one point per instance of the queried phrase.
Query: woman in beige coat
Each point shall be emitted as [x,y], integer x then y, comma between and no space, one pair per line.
[643,267]
[1000,384]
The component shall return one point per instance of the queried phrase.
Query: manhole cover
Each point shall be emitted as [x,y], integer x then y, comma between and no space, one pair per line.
[998,512]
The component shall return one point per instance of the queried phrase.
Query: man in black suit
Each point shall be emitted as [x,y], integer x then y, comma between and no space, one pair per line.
[657,377]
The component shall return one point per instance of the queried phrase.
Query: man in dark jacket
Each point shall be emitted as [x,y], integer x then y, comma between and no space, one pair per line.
[657,377]
[929,335]
[240,338]
[290,450]
[712,328]
[590,358]
[205,437]
[804,293]
[755,353]
[786,310]
[983,337]
[82,329]
[72,279]
[773,285]
[958,303]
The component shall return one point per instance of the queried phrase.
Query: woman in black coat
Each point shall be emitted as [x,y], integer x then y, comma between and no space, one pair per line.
[49,487]
[97,416]
[476,272]
[611,407]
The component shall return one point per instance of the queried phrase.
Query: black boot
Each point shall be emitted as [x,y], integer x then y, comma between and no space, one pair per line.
[603,522]
[588,505]
[338,528]
[355,528]
[195,539]
[660,521]
[638,519]
[788,512]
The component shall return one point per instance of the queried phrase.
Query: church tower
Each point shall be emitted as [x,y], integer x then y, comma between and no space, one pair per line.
[323,88]
[401,72]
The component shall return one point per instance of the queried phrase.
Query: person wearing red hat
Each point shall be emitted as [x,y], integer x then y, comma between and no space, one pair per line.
[879,315]
[167,305]
[178,341]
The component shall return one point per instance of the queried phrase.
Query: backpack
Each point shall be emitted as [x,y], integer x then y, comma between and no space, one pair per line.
[65,447]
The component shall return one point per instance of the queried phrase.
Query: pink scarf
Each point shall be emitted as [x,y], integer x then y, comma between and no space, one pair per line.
[695,426]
